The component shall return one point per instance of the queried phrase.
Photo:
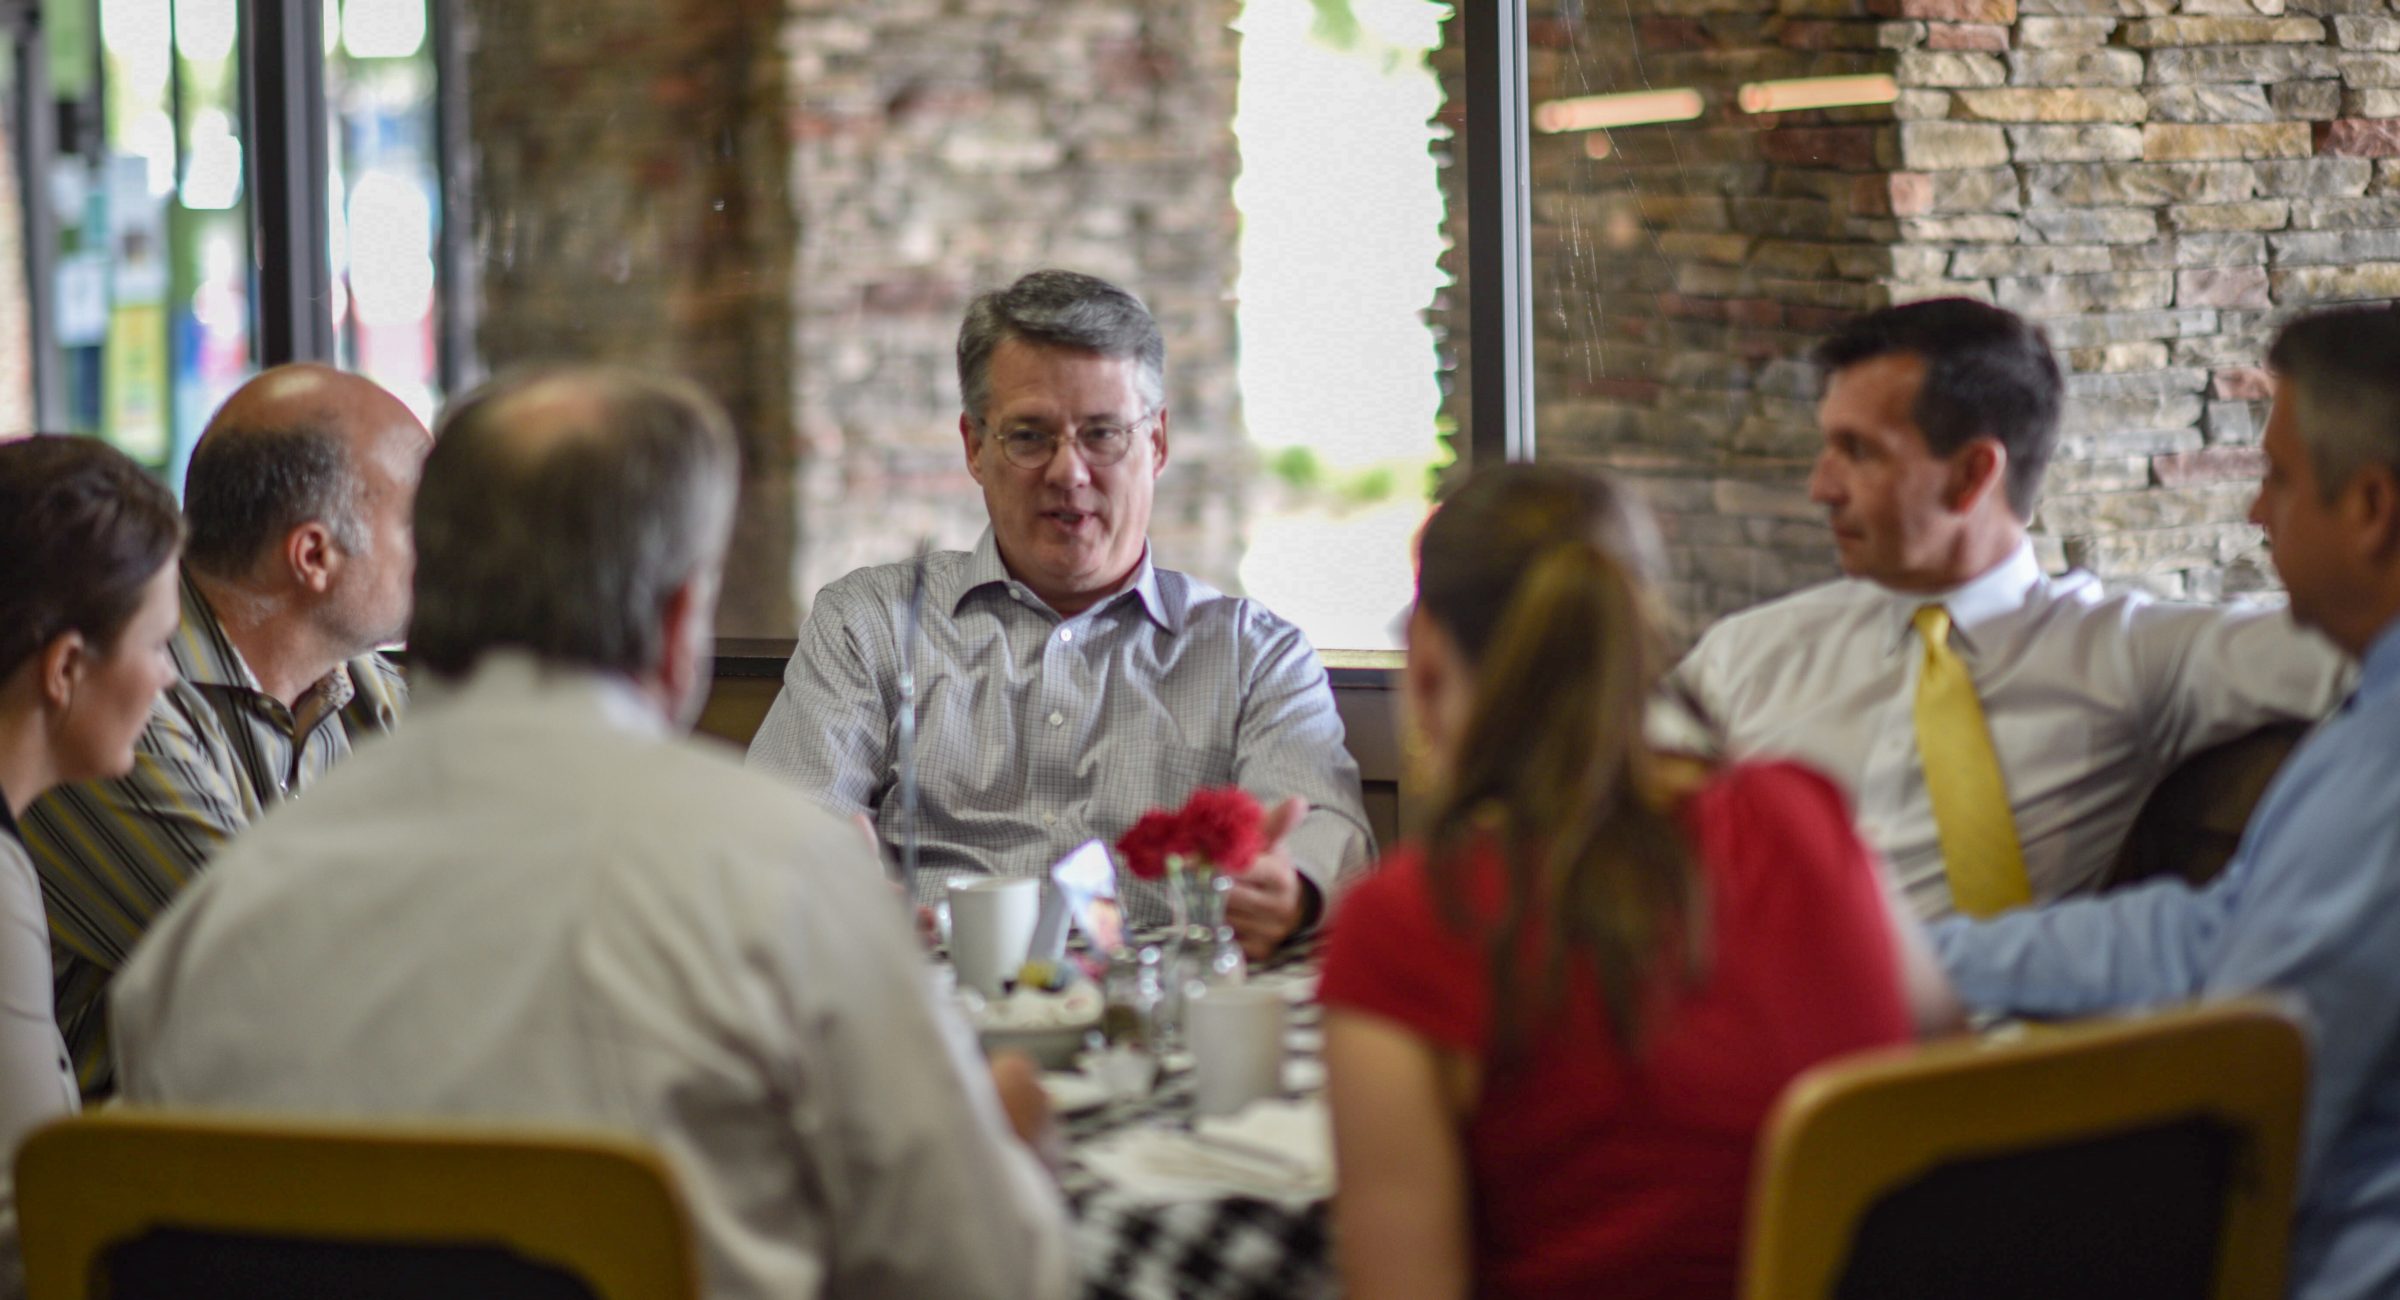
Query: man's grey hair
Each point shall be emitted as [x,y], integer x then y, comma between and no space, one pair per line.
[1060,309]
[560,509]
[2341,370]
[249,487]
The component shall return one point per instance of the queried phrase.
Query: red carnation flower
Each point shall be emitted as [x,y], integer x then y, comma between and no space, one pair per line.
[1222,827]
[1146,846]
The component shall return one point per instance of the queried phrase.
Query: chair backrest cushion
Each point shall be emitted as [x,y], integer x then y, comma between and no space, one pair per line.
[190,1264]
[2126,1216]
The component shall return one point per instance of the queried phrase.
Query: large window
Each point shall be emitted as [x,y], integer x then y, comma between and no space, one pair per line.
[148,266]
[385,204]
[1341,207]
[792,204]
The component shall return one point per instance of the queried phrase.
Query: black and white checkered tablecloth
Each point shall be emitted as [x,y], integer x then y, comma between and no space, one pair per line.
[1136,1246]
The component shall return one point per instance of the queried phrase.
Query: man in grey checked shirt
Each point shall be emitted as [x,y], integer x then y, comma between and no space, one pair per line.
[1066,684]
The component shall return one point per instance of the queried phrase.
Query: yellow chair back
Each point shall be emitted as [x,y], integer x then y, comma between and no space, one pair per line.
[1856,1134]
[600,1208]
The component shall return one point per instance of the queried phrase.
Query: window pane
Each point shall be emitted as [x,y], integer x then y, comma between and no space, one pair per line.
[151,325]
[1341,209]
[386,195]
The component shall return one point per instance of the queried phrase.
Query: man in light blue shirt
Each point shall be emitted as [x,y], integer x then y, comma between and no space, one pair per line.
[2311,902]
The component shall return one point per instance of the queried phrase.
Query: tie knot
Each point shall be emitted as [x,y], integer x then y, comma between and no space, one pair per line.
[1933,624]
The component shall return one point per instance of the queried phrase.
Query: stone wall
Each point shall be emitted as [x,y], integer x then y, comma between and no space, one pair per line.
[943,147]
[631,204]
[2157,187]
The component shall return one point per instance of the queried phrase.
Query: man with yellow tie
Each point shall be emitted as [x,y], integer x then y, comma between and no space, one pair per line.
[1997,727]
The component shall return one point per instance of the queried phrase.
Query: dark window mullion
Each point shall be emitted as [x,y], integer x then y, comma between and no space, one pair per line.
[1499,235]
[283,102]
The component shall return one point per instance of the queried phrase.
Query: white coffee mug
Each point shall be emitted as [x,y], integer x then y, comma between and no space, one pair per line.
[1236,1036]
[991,926]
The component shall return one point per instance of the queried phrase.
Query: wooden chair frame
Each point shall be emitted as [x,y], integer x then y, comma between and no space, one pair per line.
[599,1206]
[1849,1132]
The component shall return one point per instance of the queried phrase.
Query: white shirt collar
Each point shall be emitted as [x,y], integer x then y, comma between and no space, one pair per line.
[1996,591]
[511,679]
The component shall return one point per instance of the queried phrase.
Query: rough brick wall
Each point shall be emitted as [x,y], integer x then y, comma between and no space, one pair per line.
[631,205]
[942,147]
[2158,187]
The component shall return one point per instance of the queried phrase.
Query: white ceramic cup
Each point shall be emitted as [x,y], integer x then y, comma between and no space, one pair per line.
[1236,1036]
[991,927]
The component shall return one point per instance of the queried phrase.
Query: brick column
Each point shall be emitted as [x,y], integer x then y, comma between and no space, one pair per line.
[631,205]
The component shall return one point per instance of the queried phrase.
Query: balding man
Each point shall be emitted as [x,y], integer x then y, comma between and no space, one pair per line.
[298,497]
[540,904]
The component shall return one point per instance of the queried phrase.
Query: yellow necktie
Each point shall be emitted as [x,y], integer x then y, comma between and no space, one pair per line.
[1971,811]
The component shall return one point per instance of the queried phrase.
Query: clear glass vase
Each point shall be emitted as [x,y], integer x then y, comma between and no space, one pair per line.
[1199,947]
[1206,951]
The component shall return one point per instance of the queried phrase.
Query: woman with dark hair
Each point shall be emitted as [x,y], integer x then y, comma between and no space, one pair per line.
[87,605]
[1556,1022]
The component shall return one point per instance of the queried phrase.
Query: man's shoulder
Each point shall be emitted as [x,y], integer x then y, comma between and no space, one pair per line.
[379,694]
[1207,608]
[877,584]
[1761,627]
[614,782]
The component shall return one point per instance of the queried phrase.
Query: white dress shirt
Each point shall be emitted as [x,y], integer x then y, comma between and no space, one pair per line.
[531,905]
[2090,697]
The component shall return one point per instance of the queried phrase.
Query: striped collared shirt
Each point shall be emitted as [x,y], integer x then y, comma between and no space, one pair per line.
[1036,732]
[217,753]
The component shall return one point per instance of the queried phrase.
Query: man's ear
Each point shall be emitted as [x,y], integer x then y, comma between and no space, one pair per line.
[966,432]
[1158,463]
[2371,506]
[311,556]
[1978,470]
[687,646]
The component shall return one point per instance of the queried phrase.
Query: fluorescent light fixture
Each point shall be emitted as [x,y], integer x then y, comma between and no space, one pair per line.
[1817,92]
[1639,108]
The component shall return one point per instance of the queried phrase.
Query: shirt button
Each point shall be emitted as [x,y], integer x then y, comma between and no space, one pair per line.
[1066,634]
[1058,719]
[1049,819]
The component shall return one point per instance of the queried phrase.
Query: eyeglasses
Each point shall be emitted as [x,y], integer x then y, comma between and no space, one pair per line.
[1102,445]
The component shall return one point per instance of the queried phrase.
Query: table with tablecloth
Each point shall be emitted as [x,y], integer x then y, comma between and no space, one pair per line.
[1145,1242]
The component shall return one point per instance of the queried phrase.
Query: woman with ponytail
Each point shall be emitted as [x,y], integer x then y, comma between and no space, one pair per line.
[1556,1019]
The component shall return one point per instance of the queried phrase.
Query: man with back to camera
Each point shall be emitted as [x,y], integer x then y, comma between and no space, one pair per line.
[298,498]
[2310,903]
[1067,684]
[540,903]
[1996,727]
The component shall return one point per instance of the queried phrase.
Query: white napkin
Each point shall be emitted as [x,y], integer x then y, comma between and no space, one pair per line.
[1072,1091]
[1277,1150]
